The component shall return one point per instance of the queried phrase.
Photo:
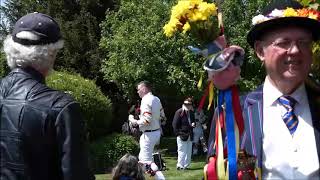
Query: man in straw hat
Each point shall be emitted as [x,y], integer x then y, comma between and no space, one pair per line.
[281,117]
[42,131]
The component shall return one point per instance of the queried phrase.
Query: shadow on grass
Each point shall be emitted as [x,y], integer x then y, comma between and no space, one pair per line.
[193,169]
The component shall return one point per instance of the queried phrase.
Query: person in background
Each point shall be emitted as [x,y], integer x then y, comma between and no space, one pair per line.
[198,134]
[42,132]
[183,124]
[134,128]
[128,168]
[151,113]
[281,117]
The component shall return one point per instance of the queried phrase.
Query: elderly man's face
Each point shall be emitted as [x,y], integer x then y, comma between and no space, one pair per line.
[286,54]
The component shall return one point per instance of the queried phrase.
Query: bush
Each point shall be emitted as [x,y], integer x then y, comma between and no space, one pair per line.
[4,69]
[96,108]
[106,152]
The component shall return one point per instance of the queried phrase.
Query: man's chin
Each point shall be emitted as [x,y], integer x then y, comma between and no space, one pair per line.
[294,77]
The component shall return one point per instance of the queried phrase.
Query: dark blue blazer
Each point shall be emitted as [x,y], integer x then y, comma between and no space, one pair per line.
[252,110]
[252,137]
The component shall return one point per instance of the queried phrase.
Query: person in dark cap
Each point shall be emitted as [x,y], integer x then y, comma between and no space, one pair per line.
[183,123]
[42,130]
[281,117]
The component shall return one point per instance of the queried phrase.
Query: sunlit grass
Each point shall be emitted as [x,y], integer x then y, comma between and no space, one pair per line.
[195,172]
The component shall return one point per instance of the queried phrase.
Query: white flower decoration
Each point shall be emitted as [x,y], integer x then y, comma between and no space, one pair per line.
[276,13]
[259,19]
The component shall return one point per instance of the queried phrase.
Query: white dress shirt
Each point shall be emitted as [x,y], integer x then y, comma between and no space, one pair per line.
[287,156]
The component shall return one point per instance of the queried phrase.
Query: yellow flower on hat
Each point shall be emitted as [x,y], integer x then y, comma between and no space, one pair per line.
[289,12]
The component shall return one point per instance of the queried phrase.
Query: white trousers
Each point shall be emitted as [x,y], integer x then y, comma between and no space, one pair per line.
[184,152]
[147,142]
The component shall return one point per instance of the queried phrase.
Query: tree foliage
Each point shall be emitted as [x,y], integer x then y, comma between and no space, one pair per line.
[79,21]
[4,69]
[137,49]
[237,15]
[96,107]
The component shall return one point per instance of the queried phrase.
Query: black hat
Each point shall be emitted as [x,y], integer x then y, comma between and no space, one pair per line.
[273,17]
[41,24]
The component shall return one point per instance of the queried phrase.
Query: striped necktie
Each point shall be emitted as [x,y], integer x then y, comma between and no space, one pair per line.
[289,118]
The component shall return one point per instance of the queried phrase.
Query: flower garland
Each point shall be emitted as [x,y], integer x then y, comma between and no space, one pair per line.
[289,12]
[194,16]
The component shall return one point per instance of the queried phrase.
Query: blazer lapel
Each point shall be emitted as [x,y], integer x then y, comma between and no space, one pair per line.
[253,120]
[314,104]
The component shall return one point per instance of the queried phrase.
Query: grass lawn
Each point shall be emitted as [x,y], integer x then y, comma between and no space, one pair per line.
[168,146]
[195,172]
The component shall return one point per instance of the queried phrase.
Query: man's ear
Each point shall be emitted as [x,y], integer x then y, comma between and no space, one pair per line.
[259,50]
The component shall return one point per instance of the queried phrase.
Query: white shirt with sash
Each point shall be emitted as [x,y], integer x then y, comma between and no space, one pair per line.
[151,112]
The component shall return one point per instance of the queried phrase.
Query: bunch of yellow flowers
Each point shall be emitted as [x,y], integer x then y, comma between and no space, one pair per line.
[195,16]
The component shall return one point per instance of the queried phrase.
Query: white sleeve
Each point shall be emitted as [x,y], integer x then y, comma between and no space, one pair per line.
[146,111]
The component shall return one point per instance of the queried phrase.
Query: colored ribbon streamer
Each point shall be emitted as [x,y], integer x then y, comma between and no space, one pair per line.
[211,94]
[203,98]
[199,85]
[221,170]
[237,109]
[231,144]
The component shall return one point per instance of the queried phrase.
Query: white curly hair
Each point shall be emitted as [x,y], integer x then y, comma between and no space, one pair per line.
[40,57]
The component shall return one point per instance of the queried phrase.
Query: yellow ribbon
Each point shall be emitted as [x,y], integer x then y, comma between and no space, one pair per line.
[211,93]
[199,85]
[205,168]
[237,134]
[222,172]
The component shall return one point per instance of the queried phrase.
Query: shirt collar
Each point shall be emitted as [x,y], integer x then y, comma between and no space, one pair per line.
[148,94]
[271,93]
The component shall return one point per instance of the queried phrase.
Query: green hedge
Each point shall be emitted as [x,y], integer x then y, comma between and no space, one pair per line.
[106,152]
[96,107]
[4,69]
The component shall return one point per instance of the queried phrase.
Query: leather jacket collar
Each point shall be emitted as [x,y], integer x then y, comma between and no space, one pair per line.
[29,71]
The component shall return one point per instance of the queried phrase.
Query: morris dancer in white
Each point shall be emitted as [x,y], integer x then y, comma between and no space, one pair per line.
[149,122]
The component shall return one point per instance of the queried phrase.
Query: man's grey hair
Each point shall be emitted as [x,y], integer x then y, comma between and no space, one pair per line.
[40,57]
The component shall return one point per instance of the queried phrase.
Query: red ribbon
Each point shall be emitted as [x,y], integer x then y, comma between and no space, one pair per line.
[203,98]
[211,169]
[237,109]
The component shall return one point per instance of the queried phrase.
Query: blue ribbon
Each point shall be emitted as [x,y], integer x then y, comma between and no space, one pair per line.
[226,96]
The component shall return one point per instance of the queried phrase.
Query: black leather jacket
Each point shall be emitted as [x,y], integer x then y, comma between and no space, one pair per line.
[42,132]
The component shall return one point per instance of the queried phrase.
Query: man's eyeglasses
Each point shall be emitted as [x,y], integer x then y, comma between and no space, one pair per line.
[288,44]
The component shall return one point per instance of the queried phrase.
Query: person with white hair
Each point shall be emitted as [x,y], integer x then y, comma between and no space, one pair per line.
[183,123]
[42,131]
